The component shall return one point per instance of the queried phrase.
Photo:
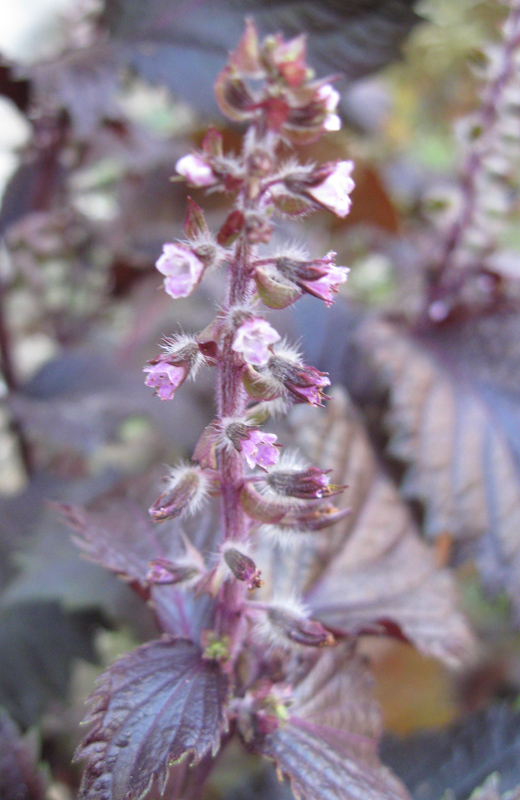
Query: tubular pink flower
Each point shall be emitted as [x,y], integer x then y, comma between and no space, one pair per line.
[326,286]
[305,484]
[306,383]
[259,449]
[181,268]
[196,171]
[320,277]
[253,340]
[333,192]
[165,379]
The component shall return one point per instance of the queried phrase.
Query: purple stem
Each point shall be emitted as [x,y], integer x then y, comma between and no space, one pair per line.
[232,402]
[472,166]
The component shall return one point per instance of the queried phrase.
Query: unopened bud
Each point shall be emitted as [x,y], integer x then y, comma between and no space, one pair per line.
[308,484]
[286,620]
[303,631]
[243,568]
[304,383]
[188,486]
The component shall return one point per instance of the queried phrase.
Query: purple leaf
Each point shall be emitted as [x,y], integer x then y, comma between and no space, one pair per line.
[454,420]
[328,746]
[120,537]
[153,707]
[321,766]
[371,573]
[19,775]
[123,539]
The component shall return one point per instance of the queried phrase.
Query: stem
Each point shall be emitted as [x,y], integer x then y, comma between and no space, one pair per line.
[232,402]
[232,399]
[488,116]
[11,381]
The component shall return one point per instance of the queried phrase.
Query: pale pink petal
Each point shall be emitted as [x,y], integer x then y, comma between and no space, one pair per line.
[330,96]
[259,449]
[181,268]
[196,171]
[333,192]
[165,378]
[253,339]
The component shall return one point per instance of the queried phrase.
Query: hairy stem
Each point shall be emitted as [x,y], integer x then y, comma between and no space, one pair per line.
[473,164]
[232,402]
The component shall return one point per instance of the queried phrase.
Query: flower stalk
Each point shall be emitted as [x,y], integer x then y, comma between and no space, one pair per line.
[269,85]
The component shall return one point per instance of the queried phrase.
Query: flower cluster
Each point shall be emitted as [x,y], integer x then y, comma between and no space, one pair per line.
[269,85]
[290,101]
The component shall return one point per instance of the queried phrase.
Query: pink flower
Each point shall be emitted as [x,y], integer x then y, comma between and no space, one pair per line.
[259,449]
[182,269]
[196,171]
[330,97]
[333,192]
[304,383]
[165,378]
[320,277]
[253,339]
[305,484]
[326,286]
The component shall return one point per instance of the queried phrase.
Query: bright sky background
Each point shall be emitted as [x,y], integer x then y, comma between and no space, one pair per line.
[25,30]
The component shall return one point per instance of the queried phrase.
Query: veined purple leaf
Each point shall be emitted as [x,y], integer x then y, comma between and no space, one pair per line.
[320,765]
[153,707]
[328,746]
[371,573]
[454,420]
[120,537]
[123,539]
[185,780]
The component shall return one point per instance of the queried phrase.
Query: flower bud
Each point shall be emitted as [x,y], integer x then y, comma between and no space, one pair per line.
[308,484]
[289,59]
[212,144]
[195,225]
[243,568]
[187,487]
[286,621]
[257,227]
[302,383]
[297,629]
